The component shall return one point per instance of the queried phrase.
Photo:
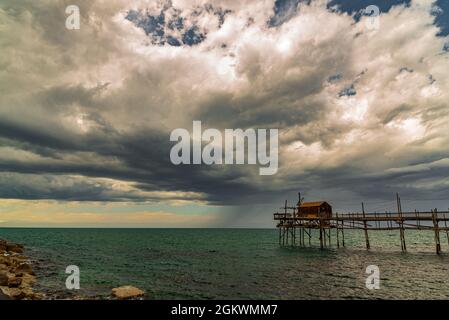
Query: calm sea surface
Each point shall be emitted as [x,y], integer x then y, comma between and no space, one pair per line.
[234,264]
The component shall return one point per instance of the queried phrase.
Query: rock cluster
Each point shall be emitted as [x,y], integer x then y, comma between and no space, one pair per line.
[16,273]
[17,278]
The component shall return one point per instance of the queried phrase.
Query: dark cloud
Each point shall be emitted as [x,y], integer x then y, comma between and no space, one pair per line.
[88,117]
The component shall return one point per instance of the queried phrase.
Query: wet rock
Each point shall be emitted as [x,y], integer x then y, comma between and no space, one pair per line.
[127,292]
[16,274]
[5,260]
[25,268]
[3,245]
[29,294]
[3,296]
[14,293]
[27,280]
[3,278]
[14,282]
[14,247]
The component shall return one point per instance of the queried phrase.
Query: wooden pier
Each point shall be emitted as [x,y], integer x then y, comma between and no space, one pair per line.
[295,228]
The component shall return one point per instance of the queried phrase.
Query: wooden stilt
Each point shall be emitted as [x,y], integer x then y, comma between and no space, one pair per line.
[324,237]
[445,226]
[302,236]
[401,224]
[321,237]
[365,227]
[437,231]
[337,224]
[310,237]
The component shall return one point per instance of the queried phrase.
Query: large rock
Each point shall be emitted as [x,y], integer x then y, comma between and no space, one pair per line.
[5,260]
[24,268]
[9,279]
[27,280]
[14,247]
[127,292]
[4,278]
[14,293]
[14,282]
[4,296]
[3,244]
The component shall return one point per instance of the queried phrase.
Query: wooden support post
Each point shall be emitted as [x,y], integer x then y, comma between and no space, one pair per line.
[294,236]
[365,227]
[302,236]
[321,233]
[445,226]
[292,241]
[321,238]
[437,231]
[338,239]
[401,224]
[310,237]
[343,233]
[325,237]
[283,236]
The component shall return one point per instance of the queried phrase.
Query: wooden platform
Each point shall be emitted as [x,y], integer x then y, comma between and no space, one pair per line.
[295,229]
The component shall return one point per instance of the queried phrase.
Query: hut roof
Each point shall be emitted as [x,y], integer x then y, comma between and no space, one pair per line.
[312,204]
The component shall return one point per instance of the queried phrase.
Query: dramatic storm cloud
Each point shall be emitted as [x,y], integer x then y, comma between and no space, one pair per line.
[86,115]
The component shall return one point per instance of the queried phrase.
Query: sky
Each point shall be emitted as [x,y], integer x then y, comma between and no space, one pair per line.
[86,115]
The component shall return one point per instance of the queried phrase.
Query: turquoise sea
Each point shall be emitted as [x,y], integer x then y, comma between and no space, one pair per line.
[234,264]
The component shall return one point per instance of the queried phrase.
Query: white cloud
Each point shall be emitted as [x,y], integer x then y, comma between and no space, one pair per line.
[108,80]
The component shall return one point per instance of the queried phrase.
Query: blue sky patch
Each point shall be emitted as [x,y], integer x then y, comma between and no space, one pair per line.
[284,10]
[357,7]
[170,28]
[348,91]
[441,13]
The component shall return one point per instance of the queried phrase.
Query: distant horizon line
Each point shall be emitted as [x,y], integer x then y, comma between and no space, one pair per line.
[37,227]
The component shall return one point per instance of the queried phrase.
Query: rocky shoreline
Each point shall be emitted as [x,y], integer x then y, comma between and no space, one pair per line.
[16,273]
[17,278]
